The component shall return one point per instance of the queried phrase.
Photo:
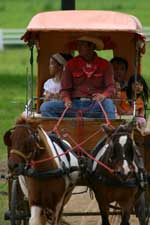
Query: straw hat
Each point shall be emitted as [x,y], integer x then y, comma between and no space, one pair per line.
[97,41]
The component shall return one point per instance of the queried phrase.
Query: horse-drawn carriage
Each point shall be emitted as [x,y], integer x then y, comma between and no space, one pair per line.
[52,32]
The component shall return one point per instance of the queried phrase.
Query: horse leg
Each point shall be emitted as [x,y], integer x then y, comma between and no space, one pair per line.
[57,214]
[126,211]
[140,209]
[104,209]
[36,216]
[58,211]
[104,217]
[125,220]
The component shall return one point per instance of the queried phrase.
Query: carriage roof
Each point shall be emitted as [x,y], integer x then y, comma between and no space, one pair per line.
[84,20]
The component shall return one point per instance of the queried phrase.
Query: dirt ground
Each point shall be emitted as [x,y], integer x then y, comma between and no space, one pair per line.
[82,200]
[83,203]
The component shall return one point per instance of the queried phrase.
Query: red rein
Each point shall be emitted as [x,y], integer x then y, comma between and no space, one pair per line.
[77,146]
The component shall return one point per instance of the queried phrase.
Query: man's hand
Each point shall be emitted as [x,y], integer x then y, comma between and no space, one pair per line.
[98,97]
[68,103]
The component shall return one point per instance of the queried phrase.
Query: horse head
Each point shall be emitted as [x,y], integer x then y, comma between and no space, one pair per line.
[118,150]
[24,143]
[122,150]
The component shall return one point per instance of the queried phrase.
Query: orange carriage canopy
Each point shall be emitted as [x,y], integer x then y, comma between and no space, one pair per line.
[70,25]
[87,20]
[83,20]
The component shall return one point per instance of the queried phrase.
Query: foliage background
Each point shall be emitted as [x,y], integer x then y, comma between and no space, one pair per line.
[14,62]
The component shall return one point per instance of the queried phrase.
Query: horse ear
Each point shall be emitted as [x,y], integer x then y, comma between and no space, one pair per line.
[108,130]
[130,126]
[34,122]
[7,138]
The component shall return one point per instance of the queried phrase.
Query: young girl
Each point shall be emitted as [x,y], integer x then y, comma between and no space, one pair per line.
[52,85]
[137,89]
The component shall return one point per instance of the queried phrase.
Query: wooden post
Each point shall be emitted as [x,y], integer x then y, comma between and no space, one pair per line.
[68,4]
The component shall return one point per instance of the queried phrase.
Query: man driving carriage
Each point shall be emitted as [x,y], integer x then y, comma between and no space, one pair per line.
[87,84]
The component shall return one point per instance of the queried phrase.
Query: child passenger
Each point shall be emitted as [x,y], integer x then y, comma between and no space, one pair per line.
[120,67]
[52,86]
[137,89]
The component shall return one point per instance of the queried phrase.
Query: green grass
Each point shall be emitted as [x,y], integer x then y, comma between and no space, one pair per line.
[4,202]
[135,7]
[17,13]
[14,66]
[13,70]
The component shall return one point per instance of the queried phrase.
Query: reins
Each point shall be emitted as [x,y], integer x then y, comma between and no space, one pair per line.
[77,145]
[80,112]
[105,114]
[90,156]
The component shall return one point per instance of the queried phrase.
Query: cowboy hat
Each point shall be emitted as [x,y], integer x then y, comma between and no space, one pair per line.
[97,41]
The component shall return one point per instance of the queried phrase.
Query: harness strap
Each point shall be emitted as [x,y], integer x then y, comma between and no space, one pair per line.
[22,155]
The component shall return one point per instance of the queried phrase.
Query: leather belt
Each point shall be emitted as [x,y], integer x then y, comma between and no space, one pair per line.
[84,99]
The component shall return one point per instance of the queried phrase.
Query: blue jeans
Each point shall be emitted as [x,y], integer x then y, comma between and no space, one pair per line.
[88,108]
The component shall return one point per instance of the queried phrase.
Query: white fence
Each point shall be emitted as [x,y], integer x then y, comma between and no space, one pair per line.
[12,36]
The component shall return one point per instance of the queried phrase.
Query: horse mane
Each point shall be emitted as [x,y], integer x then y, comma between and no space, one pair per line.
[32,121]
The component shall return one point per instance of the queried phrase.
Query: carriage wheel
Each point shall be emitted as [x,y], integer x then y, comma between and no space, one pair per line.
[142,209]
[19,210]
[147,203]
[147,210]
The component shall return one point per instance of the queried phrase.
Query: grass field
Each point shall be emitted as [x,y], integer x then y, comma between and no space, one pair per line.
[15,62]
[26,9]
[13,88]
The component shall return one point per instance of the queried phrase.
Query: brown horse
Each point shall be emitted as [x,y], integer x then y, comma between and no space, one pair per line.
[121,181]
[50,173]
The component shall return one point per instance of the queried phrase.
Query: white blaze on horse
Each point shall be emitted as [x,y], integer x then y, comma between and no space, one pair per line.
[121,180]
[50,173]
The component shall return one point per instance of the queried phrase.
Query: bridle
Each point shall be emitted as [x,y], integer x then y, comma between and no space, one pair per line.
[111,142]
[34,134]
[21,154]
